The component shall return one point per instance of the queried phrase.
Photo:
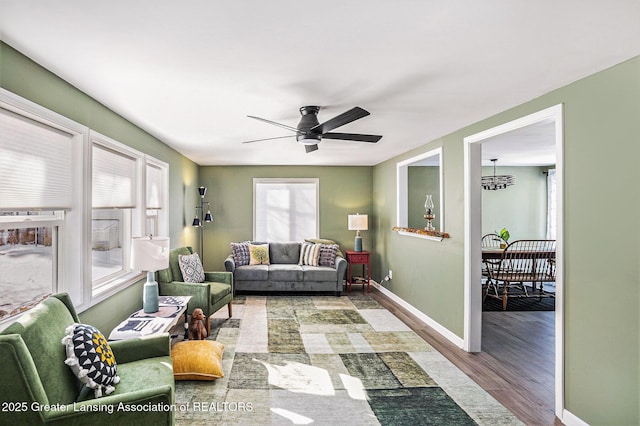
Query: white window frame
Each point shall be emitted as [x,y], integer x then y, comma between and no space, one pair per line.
[163,212]
[74,266]
[288,181]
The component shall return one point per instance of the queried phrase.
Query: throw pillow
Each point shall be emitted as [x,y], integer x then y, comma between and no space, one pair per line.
[309,254]
[259,254]
[324,241]
[191,268]
[90,358]
[241,254]
[328,255]
[197,360]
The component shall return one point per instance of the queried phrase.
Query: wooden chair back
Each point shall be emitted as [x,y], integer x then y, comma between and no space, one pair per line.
[526,261]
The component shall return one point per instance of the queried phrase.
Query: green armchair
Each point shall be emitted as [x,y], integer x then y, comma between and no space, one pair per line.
[210,296]
[36,386]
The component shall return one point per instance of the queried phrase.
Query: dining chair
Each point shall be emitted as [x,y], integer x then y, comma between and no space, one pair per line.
[489,241]
[522,262]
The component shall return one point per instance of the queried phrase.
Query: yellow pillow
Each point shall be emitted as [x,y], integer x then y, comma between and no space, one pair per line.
[197,360]
[258,254]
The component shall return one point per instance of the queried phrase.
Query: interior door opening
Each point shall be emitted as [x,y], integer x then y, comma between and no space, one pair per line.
[496,139]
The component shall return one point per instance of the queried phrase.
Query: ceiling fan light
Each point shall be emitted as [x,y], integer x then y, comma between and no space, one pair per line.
[307,141]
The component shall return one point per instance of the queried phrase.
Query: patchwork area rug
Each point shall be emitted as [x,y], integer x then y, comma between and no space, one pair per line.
[327,360]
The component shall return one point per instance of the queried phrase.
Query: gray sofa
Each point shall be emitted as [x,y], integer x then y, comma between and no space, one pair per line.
[283,274]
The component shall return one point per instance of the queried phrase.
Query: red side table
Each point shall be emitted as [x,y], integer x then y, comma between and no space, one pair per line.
[359,258]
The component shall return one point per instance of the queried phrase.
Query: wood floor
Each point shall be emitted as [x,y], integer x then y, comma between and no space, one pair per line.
[516,365]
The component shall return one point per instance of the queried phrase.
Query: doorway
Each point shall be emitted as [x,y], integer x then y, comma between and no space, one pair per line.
[473,235]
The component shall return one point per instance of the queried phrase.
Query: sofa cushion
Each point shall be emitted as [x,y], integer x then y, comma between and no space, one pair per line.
[191,268]
[286,253]
[90,358]
[259,254]
[319,273]
[218,291]
[197,360]
[252,273]
[285,273]
[240,252]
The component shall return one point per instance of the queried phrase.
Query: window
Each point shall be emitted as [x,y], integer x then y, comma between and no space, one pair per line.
[127,200]
[28,259]
[67,195]
[113,199]
[156,174]
[285,209]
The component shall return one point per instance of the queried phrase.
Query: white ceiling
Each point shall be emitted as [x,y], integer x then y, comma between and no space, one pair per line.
[189,73]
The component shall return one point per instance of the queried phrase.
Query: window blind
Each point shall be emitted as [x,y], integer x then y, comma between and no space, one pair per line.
[285,211]
[35,164]
[154,187]
[113,183]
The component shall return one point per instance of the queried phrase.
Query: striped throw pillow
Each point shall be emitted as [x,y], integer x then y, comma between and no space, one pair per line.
[309,254]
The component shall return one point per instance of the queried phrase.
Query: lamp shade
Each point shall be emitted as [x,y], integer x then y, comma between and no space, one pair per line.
[358,222]
[150,254]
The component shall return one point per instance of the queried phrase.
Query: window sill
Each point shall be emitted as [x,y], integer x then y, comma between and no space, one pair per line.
[421,233]
[104,292]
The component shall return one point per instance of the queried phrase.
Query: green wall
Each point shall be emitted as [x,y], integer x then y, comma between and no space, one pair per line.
[422,180]
[601,240]
[521,208]
[25,78]
[343,191]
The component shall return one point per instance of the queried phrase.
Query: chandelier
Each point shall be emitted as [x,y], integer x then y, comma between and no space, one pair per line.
[496,182]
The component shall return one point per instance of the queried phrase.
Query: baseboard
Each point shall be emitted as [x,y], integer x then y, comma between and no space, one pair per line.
[571,419]
[445,332]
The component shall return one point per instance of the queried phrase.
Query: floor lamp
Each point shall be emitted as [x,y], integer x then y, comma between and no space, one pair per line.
[197,223]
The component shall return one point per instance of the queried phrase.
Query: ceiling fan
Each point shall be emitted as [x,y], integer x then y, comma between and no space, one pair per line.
[310,132]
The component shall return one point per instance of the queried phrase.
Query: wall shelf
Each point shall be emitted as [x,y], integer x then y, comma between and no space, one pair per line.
[421,233]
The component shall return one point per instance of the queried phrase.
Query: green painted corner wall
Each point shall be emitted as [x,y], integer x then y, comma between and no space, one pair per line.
[422,180]
[343,191]
[24,77]
[602,252]
[521,208]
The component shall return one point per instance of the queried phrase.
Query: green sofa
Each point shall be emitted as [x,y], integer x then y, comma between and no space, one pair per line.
[36,387]
[210,296]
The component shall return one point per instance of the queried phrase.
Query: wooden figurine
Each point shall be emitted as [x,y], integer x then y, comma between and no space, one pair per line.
[197,330]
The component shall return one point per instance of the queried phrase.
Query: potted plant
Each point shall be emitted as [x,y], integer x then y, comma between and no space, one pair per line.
[504,234]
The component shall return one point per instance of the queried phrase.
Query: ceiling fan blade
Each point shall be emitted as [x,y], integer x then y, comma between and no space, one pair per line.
[310,148]
[284,126]
[353,114]
[352,137]
[268,139]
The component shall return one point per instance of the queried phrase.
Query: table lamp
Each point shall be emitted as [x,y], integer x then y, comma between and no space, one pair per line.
[358,222]
[150,254]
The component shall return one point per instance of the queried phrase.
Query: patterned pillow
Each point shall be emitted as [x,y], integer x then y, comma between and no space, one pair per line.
[191,268]
[259,254]
[328,254]
[309,254]
[90,358]
[240,252]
